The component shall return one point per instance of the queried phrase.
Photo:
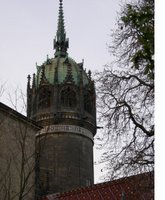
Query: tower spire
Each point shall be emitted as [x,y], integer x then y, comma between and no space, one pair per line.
[61,43]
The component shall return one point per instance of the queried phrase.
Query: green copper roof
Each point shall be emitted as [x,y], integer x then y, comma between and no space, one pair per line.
[56,71]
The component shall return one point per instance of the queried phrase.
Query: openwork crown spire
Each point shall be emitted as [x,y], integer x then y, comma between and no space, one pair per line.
[61,43]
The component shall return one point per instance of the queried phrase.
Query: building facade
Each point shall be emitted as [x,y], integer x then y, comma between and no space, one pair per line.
[17,155]
[61,99]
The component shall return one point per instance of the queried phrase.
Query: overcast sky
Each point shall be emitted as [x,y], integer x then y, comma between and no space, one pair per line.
[28,27]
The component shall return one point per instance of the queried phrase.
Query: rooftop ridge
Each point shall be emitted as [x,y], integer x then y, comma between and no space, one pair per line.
[102,185]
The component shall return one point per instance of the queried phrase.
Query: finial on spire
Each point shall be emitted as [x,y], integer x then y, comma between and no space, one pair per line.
[61,43]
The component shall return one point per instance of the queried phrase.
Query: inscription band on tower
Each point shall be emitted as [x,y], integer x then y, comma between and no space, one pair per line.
[65,128]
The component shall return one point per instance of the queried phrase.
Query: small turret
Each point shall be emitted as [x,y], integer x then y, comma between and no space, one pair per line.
[29,96]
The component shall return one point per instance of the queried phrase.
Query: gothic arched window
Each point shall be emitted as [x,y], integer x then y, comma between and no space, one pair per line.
[44,98]
[68,97]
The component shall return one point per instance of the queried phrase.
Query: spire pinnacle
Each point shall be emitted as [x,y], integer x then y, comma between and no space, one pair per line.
[61,43]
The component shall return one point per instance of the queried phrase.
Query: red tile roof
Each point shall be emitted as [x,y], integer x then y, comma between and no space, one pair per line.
[138,187]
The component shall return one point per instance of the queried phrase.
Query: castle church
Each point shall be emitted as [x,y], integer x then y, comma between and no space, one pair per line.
[51,150]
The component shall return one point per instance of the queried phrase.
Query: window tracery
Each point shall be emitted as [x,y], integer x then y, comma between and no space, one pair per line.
[68,97]
[44,98]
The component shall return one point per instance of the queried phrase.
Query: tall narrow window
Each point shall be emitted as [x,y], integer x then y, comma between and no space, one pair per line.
[68,97]
[88,102]
[44,98]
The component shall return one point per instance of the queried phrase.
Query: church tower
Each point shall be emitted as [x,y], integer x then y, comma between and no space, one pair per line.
[61,99]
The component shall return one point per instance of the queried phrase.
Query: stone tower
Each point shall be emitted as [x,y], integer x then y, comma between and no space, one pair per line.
[61,99]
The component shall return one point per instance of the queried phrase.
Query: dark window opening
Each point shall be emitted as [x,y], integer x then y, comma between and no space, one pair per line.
[68,98]
[44,99]
[88,102]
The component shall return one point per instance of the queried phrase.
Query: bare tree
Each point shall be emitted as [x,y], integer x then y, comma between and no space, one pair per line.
[125,91]
[17,100]
[17,153]
[2,89]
